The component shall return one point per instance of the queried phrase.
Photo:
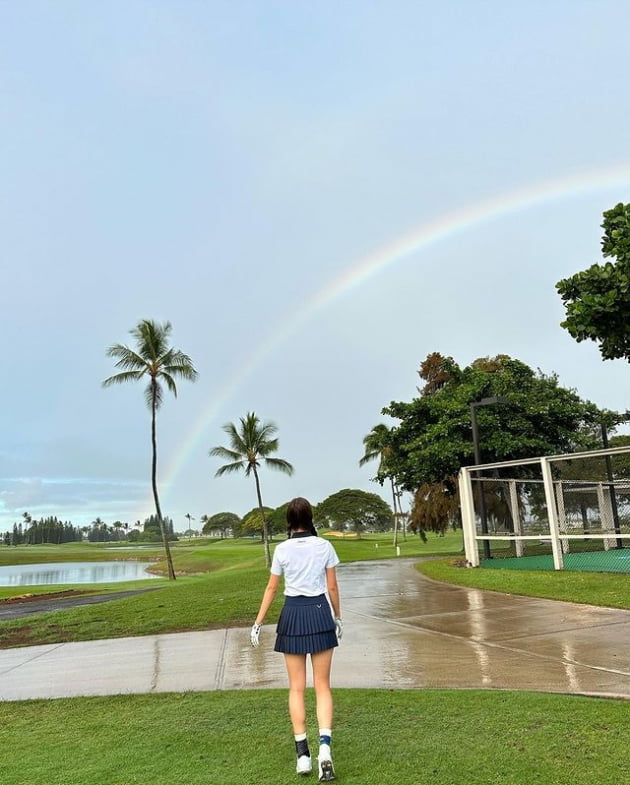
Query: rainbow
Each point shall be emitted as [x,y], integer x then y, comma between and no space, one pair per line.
[414,242]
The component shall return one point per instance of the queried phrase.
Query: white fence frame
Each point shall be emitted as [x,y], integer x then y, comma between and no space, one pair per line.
[559,540]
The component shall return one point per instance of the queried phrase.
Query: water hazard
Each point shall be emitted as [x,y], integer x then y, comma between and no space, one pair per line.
[73,572]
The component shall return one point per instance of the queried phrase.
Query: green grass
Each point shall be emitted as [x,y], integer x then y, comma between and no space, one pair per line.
[220,584]
[605,589]
[380,737]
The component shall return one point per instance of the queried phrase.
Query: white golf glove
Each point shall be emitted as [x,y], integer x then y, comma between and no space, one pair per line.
[254,635]
[339,628]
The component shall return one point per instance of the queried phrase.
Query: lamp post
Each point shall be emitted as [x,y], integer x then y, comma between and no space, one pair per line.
[491,401]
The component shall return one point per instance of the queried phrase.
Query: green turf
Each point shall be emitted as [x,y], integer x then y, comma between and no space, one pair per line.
[614,560]
[380,737]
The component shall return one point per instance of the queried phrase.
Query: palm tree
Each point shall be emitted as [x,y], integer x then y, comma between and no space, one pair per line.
[378,444]
[154,359]
[249,443]
[190,518]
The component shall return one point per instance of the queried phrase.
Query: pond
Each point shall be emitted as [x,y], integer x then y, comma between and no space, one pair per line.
[73,572]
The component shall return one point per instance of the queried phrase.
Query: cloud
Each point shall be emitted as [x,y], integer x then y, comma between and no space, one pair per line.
[70,498]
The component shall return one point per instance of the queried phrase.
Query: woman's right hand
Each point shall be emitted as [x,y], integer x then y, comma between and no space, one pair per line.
[254,635]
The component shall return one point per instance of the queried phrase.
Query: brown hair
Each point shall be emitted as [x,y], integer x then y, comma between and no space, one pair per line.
[300,516]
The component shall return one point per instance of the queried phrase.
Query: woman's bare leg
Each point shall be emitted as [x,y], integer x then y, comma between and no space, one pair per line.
[321,663]
[296,670]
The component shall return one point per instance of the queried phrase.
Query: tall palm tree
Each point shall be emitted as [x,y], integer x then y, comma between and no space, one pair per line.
[154,359]
[378,444]
[251,442]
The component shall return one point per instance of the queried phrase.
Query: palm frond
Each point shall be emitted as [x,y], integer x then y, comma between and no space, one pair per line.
[229,468]
[122,378]
[179,364]
[170,382]
[128,360]
[153,390]
[263,448]
[236,440]
[252,464]
[249,441]
[279,464]
[152,338]
[224,452]
[369,456]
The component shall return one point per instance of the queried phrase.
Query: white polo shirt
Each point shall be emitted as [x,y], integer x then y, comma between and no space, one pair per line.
[303,562]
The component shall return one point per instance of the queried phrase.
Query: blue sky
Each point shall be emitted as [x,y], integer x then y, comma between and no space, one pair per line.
[223,165]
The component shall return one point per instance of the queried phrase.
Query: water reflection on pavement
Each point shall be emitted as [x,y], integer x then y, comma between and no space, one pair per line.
[404,630]
[401,630]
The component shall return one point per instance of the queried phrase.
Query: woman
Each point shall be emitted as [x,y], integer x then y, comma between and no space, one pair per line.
[306,626]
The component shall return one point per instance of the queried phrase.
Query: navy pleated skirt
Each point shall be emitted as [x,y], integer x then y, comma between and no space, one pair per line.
[306,626]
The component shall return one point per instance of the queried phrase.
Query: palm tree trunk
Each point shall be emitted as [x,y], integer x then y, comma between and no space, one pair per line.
[158,511]
[264,521]
[391,479]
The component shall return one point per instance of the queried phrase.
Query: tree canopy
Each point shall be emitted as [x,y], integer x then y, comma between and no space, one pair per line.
[597,300]
[253,521]
[223,522]
[354,509]
[434,436]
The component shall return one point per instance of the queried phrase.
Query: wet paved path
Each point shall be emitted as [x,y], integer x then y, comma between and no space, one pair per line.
[401,631]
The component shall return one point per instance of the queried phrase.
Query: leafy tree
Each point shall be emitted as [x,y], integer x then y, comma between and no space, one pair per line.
[278,519]
[254,521]
[597,300]
[221,521]
[378,444]
[355,509]
[154,359]
[152,529]
[538,417]
[250,443]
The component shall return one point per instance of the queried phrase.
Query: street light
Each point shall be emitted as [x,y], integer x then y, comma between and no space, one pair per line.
[491,401]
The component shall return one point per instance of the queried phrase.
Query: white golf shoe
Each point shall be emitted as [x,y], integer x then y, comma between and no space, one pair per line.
[325,768]
[304,765]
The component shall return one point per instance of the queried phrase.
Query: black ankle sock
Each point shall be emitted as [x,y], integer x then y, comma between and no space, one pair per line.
[301,748]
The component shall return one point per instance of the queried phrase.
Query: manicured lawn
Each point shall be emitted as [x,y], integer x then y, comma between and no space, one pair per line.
[221,581]
[380,737]
[220,584]
[606,589]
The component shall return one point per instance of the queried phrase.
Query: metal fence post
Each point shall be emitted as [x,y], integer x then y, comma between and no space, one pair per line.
[552,513]
[469,526]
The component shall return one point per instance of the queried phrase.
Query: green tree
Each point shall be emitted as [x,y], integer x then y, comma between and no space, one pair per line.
[355,509]
[153,359]
[221,521]
[538,417]
[278,519]
[597,300]
[250,443]
[378,444]
[254,522]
